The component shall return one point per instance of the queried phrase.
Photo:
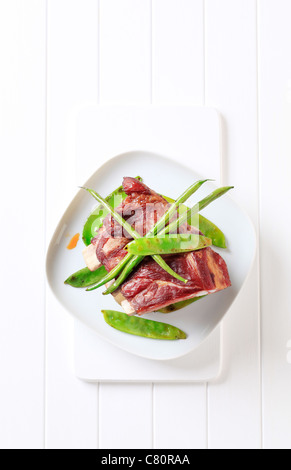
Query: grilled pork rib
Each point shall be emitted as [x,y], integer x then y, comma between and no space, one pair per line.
[150,288]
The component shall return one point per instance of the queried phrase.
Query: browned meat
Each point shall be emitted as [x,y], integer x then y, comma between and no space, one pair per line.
[150,288]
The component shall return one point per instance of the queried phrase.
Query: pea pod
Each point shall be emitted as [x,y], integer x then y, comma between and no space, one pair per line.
[208,228]
[168,245]
[85,277]
[142,327]
[95,219]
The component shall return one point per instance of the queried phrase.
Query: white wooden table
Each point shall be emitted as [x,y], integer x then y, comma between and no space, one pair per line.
[58,55]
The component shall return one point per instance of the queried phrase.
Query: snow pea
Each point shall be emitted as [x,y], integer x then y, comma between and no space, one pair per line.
[142,327]
[95,219]
[174,206]
[85,277]
[168,244]
[208,228]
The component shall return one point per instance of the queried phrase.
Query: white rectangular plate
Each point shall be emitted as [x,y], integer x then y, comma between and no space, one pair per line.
[185,133]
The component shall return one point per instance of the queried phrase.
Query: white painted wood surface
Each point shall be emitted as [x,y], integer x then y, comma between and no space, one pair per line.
[275,166]
[22,190]
[72,80]
[59,54]
[230,49]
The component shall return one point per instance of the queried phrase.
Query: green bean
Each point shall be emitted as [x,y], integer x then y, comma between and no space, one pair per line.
[164,220]
[162,263]
[175,205]
[168,245]
[133,233]
[113,273]
[132,263]
[85,277]
[208,228]
[195,209]
[95,219]
[141,327]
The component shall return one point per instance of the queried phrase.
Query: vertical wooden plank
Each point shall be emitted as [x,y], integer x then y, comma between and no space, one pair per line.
[178,52]
[22,150]
[231,86]
[125,71]
[71,405]
[125,416]
[178,76]
[180,417]
[125,52]
[275,153]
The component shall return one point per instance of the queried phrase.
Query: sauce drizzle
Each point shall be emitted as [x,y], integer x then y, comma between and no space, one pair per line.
[74,241]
